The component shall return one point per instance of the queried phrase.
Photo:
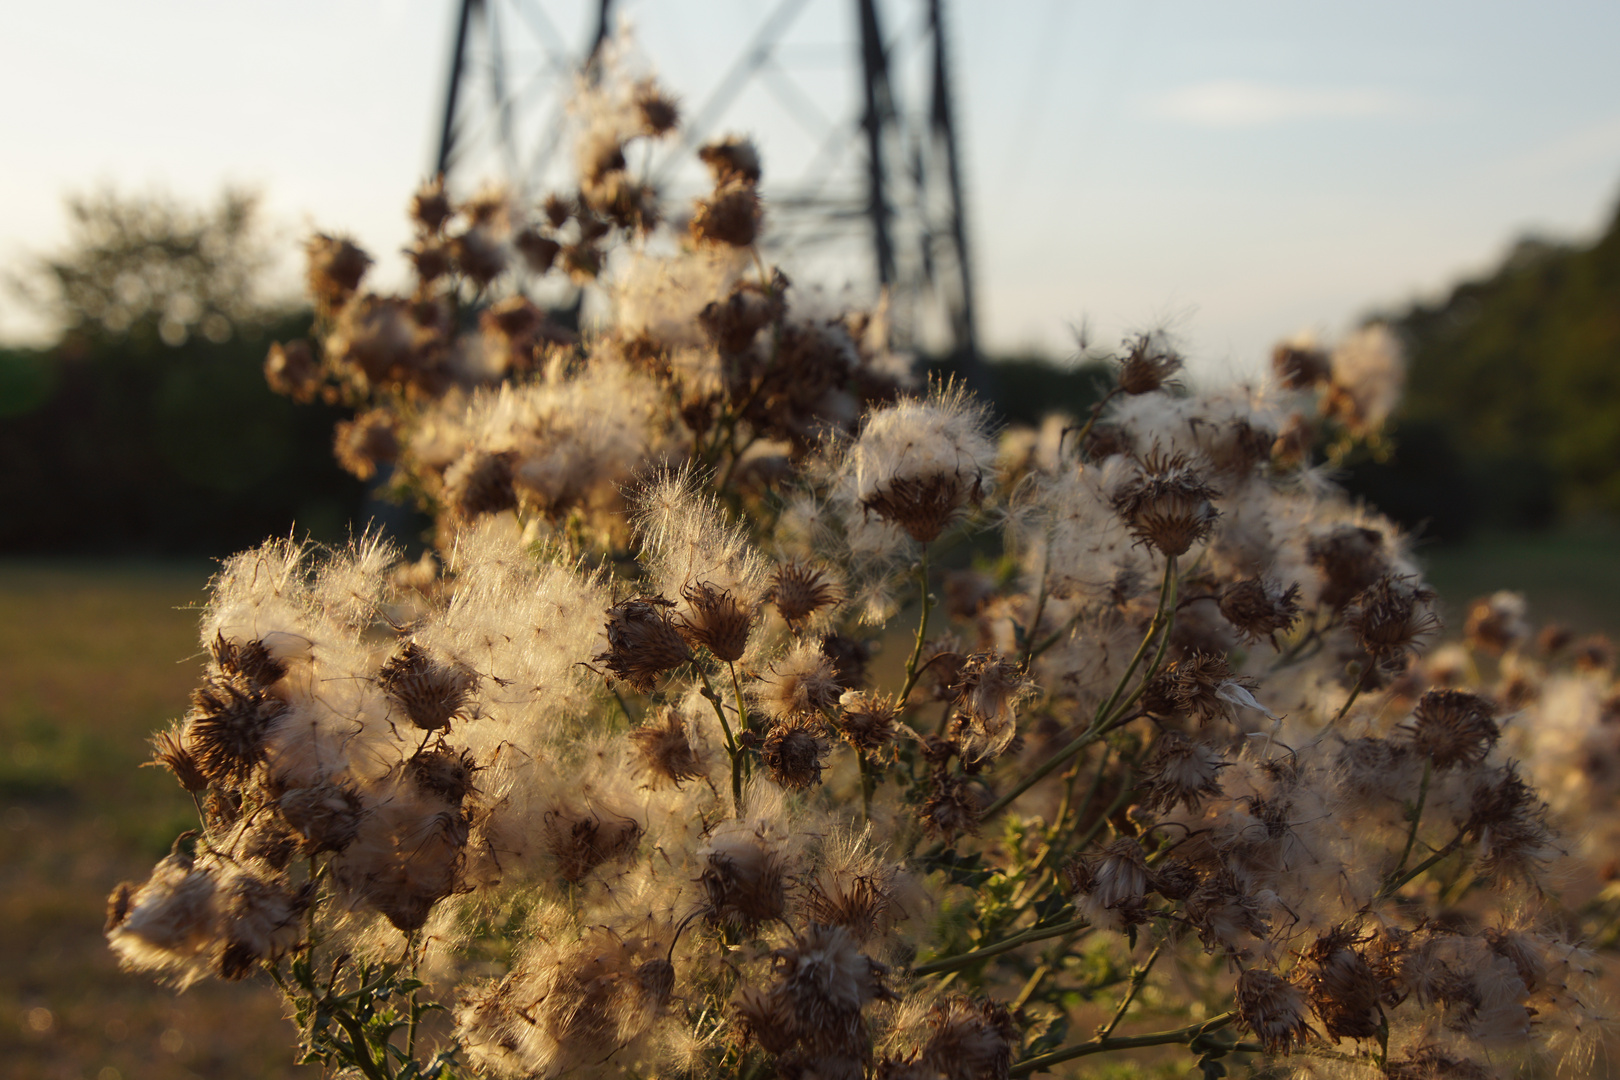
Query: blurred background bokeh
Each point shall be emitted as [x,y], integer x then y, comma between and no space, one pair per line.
[1239,174]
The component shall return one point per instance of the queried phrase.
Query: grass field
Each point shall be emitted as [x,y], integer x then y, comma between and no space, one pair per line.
[94,657]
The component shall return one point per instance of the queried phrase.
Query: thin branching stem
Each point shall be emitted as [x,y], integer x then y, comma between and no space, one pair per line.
[912,670]
[1187,1034]
[1138,977]
[1161,620]
[985,952]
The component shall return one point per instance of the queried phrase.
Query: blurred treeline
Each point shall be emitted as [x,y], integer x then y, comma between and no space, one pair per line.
[147,429]
[1511,418]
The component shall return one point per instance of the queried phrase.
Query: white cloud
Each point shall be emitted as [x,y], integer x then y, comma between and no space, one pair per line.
[1234,103]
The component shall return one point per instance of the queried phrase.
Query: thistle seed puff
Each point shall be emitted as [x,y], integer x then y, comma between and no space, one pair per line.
[921,463]
[1390,616]
[366,442]
[335,267]
[642,642]
[988,692]
[1180,772]
[743,879]
[443,773]
[728,218]
[1258,609]
[1343,990]
[665,751]
[430,692]
[732,159]
[1497,623]
[480,483]
[970,1039]
[327,816]
[430,206]
[291,369]
[580,841]
[1453,727]
[1166,504]
[1273,1009]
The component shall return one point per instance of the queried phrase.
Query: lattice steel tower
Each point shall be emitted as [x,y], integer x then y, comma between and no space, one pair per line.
[875,191]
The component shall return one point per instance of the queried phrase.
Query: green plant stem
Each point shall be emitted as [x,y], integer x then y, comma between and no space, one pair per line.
[1396,882]
[866,787]
[973,956]
[731,742]
[1034,626]
[922,630]
[1099,727]
[1417,816]
[1122,1042]
[1138,977]
[1355,692]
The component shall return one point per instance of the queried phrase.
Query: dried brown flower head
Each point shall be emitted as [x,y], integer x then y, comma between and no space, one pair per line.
[716,620]
[1343,990]
[1300,367]
[443,772]
[539,252]
[1273,1009]
[1180,771]
[732,324]
[1594,653]
[1149,365]
[478,254]
[226,727]
[582,840]
[365,442]
[335,268]
[430,258]
[327,816]
[867,721]
[970,1038]
[1259,609]
[952,805]
[430,692]
[480,483]
[249,659]
[1350,559]
[730,217]
[799,590]
[793,750]
[925,505]
[1202,685]
[292,369]
[660,112]
[1496,623]
[1390,616]
[1112,886]
[430,206]
[988,691]
[642,642]
[743,881]
[731,159]
[1167,504]
[1453,727]
[665,750]
[169,751]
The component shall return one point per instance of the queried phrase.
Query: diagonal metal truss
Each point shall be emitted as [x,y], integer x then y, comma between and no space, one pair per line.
[878,195]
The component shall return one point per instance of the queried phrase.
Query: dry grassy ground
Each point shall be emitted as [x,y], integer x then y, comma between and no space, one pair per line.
[94,657]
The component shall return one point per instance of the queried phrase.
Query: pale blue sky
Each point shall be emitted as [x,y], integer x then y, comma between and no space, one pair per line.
[1244,170]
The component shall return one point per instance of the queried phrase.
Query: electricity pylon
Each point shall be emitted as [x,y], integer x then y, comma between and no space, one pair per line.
[881,191]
